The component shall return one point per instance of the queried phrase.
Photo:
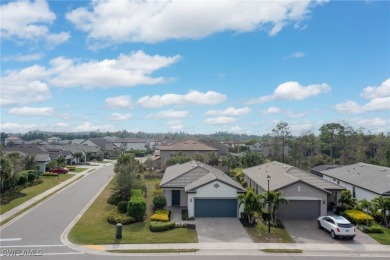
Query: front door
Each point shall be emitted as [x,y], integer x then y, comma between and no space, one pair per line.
[175,198]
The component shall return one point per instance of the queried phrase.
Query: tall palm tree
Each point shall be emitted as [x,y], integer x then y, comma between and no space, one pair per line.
[252,203]
[365,205]
[277,200]
[382,205]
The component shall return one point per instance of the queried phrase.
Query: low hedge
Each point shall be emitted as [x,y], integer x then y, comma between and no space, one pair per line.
[116,217]
[156,226]
[185,225]
[357,217]
[366,229]
[71,168]
[49,174]
[160,215]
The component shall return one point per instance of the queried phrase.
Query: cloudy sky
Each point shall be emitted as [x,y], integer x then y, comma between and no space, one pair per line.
[194,66]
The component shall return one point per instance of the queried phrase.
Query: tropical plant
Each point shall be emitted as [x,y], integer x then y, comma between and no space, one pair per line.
[250,159]
[198,157]
[347,200]
[78,155]
[252,203]
[213,159]
[29,162]
[381,205]
[6,171]
[366,206]
[274,199]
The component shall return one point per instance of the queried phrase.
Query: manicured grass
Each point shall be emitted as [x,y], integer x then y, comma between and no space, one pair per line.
[93,228]
[259,234]
[383,238]
[275,250]
[48,183]
[155,251]
[79,169]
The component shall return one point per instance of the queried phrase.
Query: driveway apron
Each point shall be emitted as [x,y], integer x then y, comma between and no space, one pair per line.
[306,231]
[221,230]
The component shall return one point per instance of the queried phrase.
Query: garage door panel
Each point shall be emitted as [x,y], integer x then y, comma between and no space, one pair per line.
[300,209]
[216,208]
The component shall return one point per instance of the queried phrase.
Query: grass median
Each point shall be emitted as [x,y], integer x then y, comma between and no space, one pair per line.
[48,183]
[93,228]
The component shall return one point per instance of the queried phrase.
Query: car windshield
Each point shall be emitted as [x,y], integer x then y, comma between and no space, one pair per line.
[344,225]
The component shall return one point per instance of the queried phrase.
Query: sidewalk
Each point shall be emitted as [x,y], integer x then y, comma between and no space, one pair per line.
[37,198]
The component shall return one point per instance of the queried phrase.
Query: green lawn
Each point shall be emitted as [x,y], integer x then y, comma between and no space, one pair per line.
[79,169]
[383,238]
[93,228]
[48,183]
[259,234]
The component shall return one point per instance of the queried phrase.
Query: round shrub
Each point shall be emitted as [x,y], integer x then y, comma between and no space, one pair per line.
[159,202]
[22,180]
[244,184]
[116,217]
[114,199]
[122,207]
[137,208]
[31,176]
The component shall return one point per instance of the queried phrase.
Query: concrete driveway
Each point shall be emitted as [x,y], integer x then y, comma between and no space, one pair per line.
[307,231]
[221,230]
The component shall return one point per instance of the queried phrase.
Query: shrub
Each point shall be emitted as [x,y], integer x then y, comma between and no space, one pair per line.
[184,215]
[185,225]
[32,176]
[137,205]
[22,180]
[366,229]
[159,202]
[114,199]
[115,217]
[357,217]
[339,209]
[71,168]
[158,193]
[160,215]
[122,207]
[244,184]
[156,226]
[52,174]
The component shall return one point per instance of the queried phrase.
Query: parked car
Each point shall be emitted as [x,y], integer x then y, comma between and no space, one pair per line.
[337,226]
[60,170]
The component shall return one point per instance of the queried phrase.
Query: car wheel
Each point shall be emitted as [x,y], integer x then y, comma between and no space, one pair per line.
[332,234]
[319,224]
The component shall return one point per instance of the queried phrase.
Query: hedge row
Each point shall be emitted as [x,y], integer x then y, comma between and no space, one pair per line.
[160,215]
[358,217]
[366,229]
[137,205]
[156,226]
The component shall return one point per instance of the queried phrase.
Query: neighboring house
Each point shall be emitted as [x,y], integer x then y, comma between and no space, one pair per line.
[13,140]
[54,140]
[188,148]
[308,194]
[365,181]
[127,144]
[223,150]
[317,170]
[42,156]
[36,141]
[266,148]
[206,191]
[233,143]
[106,146]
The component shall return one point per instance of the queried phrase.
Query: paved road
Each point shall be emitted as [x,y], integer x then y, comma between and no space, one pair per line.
[42,227]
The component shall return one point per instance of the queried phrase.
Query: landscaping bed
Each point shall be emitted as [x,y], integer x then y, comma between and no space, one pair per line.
[259,233]
[93,228]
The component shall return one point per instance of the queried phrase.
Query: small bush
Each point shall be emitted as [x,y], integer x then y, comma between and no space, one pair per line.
[158,193]
[159,202]
[71,168]
[357,217]
[185,225]
[122,207]
[136,193]
[22,180]
[50,174]
[114,199]
[244,184]
[339,209]
[137,205]
[156,226]
[32,176]
[366,229]
[184,215]
[160,215]
[115,217]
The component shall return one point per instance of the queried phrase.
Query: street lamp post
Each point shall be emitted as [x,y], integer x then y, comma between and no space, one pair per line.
[269,208]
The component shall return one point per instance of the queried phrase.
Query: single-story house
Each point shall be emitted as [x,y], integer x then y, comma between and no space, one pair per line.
[365,181]
[206,191]
[106,146]
[308,194]
[128,144]
[13,140]
[187,147]
[317,170]
[42,156]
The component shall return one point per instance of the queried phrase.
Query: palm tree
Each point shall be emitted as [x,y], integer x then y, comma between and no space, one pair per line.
[60,161]
[347,200]
[276,201]
[365,205]
[381,205]
[252,203]
[29,162]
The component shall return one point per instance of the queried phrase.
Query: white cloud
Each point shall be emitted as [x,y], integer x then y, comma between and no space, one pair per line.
[24,57]
[119,117]
[273,110]
[31,84]
[237,129]
[29,21]
[292,115]
[221,120]
[61,124]
[175,125]
[110,21]
[17,128]
[87,127]
[32,111]
[375,124]
[191,98]
[296,55]
[293,91]
[379,100]
[119,102]
[373,92]
[169,114]
[230,111]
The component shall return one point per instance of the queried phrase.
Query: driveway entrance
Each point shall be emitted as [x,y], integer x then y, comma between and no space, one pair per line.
[221,230]
[306,231]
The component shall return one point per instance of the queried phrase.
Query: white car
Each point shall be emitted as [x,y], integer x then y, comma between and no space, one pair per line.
[337,226]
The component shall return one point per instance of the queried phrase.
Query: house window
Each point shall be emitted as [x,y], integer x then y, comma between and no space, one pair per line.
[353,192]
[299,188]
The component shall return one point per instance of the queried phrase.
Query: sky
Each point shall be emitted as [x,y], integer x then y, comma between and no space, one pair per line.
[194,66]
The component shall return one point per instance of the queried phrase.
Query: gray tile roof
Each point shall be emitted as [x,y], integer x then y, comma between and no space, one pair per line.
[187,145]
[193,174]
[104,144]
[223,149]
[370,177]
[283,175]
